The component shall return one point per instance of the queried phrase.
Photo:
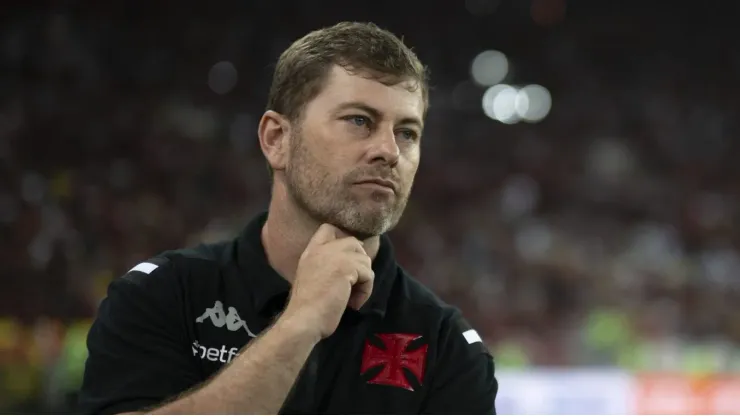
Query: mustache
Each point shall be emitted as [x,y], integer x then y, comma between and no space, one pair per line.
[385,174]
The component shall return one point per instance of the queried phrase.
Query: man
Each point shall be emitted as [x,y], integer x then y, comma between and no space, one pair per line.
[213,330]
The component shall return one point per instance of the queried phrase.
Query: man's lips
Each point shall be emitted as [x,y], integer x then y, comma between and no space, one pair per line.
[380,182]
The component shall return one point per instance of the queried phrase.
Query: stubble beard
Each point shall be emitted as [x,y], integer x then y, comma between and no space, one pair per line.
[327,199]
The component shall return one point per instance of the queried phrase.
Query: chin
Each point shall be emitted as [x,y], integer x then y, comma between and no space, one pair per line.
[364,228]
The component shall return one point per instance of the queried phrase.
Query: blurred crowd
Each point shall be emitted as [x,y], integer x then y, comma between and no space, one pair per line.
[606,234]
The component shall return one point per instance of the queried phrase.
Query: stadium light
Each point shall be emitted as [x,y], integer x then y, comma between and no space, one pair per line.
[510,105]
[489,68]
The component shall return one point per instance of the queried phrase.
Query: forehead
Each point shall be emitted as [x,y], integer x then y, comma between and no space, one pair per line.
[402,100]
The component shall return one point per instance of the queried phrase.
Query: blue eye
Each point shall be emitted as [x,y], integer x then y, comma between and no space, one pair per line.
[408,134]
[359,121]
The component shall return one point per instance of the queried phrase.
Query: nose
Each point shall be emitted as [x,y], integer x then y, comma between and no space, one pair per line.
[384,147]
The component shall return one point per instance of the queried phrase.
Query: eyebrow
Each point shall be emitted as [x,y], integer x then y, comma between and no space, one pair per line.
[359,105]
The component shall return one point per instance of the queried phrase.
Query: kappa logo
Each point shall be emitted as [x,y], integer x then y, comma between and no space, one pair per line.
[394,358]
[219,318]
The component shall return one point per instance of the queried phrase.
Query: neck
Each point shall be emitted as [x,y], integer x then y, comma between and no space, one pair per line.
[286,234]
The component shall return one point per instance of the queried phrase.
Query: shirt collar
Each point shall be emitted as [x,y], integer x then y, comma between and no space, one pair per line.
[270,290]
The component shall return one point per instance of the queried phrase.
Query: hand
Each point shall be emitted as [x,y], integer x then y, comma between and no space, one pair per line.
[332,273]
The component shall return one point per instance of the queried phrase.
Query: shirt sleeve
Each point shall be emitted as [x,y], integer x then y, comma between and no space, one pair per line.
[465,382]
[139,353]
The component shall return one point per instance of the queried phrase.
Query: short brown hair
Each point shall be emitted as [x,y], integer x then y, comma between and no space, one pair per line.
[302,69]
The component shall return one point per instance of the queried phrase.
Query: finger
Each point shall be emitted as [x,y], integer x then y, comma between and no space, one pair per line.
[362,290]
[361,272]
[326,233]
[350,244]
[365,274]
[362,260]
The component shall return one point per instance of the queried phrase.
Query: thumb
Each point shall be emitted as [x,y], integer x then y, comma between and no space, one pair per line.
[324,234]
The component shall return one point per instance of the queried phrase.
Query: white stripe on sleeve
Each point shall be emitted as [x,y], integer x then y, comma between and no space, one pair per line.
[472,336]
[147,268]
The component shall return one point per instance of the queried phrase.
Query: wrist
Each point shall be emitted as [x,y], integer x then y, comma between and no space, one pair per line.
[297,328]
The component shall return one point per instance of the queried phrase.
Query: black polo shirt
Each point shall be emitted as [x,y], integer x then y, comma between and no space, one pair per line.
[174,320]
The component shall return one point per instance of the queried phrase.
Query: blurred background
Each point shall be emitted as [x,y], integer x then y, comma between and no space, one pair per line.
[577,199]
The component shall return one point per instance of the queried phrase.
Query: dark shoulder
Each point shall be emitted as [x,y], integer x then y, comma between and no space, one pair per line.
[455,332]
[176,264]
[217,253]
[410,293]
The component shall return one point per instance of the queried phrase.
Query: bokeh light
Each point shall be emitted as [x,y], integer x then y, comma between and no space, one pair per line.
[222,77]
[489,68]
[509,105]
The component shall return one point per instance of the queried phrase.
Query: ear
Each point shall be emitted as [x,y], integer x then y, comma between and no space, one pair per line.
[274,132]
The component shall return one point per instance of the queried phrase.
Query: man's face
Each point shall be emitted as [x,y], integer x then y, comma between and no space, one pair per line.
[356,131]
